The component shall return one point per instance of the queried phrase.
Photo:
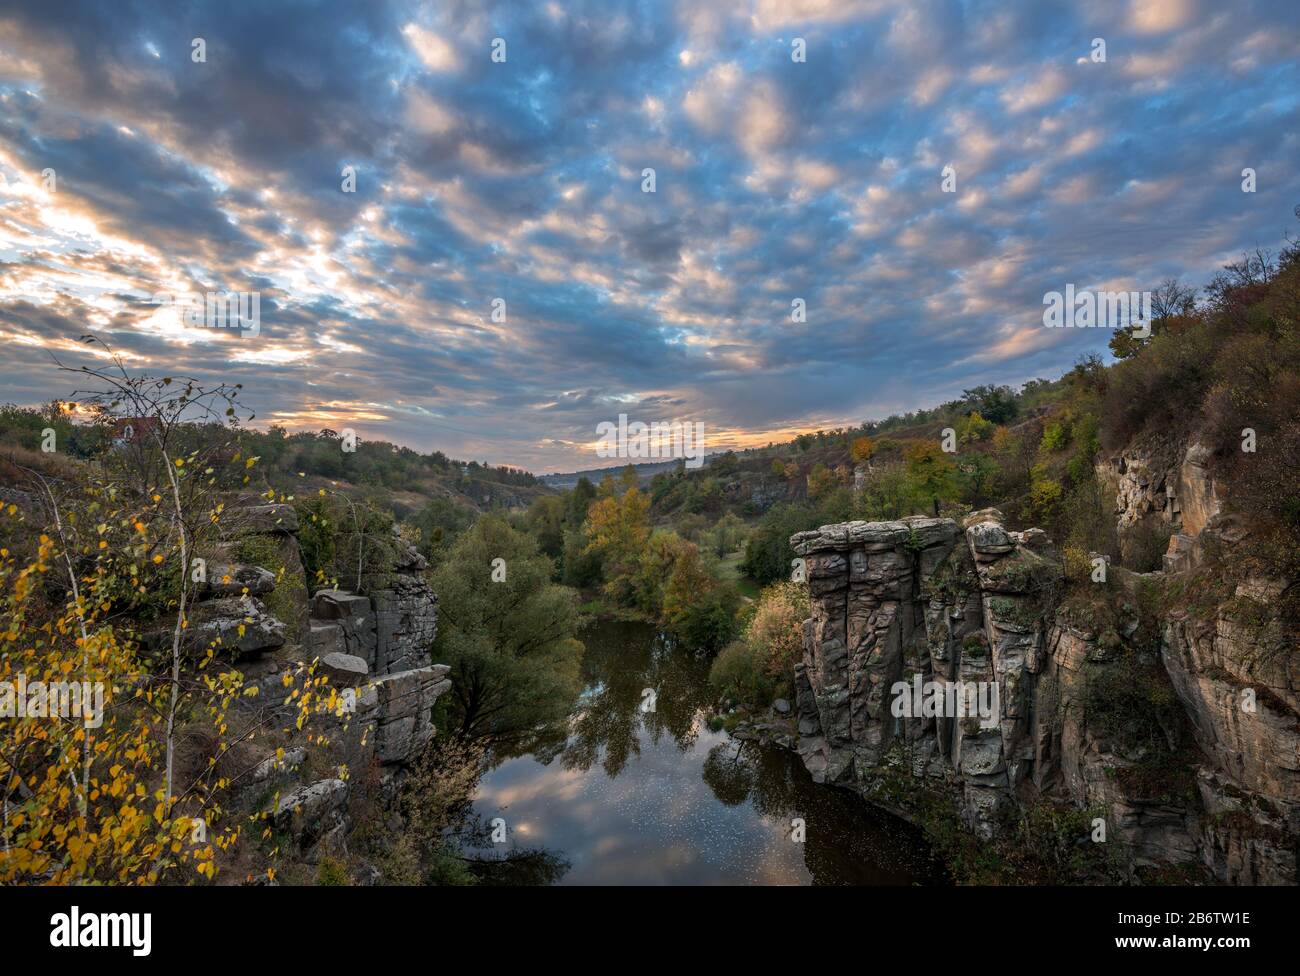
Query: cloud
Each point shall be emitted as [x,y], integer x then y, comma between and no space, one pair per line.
[521,181]
[434,52]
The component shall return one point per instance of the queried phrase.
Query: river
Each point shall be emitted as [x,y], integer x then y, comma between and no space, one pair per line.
[640,795]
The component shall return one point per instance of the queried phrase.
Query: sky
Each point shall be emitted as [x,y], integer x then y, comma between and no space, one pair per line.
[521,179]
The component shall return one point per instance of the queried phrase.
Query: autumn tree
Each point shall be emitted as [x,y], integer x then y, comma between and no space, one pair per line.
[862,450]
[697,608]
[617,528]
[92,553]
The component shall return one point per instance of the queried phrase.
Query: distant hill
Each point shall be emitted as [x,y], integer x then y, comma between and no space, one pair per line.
[644,473]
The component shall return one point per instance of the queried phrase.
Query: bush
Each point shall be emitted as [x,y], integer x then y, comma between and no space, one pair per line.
[775,632]
[1044,495]
[1055,438]
[332,873]
[739,672]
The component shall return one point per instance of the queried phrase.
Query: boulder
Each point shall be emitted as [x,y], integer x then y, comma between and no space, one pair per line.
[225,579]
[292,759]
[344,670]
[310,812]
[221,621]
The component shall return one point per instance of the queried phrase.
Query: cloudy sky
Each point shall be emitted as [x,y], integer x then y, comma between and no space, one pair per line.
[521,180]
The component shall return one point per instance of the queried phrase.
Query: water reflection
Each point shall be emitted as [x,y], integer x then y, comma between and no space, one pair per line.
[633,796]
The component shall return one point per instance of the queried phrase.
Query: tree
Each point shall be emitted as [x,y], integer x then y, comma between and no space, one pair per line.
[767,551]
[617,528]
[104,799]
[886,495]
[861,450]
[775,631]
[931,474]
[510,644]
[725,535]
[1170,300]
[1017,453]
[996,404]
[698,609]
[578,501]
[545,520]
[973,427]
[977,472]
[820,480]
[654,567]
[440,522]
[154,418]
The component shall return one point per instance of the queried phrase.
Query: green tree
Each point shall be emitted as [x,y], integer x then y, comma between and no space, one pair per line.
[545,520]
[440,522]
[886,495]
[996,404]
[931,473]
[767,551]
[697,608]
[511,645]
[578,501]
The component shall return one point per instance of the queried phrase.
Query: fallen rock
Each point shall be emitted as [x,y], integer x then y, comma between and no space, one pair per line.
[268,767]
[232,580]
[344,670]
[311,811]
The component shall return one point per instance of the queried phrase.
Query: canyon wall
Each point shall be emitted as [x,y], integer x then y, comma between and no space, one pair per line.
[374,647]
[1213,783]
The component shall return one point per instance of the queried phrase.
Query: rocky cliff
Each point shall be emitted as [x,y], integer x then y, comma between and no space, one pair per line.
[374,647]
[1099,700]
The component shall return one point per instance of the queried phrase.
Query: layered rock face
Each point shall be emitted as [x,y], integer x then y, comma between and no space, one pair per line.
[379,644]
[924,601]
[1241,689]
[375,647]
[1173,487]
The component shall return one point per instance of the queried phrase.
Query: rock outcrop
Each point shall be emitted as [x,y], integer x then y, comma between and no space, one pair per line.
[925,603]
[1169,486]
[374,648]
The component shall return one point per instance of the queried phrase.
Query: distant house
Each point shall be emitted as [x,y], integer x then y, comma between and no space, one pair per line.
[127,429]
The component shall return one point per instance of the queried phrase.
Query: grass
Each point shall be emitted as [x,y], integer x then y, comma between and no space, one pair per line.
[729,569]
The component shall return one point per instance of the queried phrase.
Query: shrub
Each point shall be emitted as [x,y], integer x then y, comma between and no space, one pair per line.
[1055,438]
[738,672]
[1044,495]
[332,873]
[775,632]
[1144,546]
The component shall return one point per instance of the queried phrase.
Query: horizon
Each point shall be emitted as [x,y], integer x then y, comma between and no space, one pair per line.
[132,170]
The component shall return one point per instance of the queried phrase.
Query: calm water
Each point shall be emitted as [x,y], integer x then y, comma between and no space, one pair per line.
[636,797]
